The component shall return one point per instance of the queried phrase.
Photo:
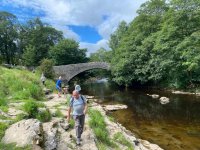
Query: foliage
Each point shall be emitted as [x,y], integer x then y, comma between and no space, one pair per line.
[36,38]
[37,110]
[8,37]
[58,113]
[31,108]
[21,85]
[98,125]
[3,127]
[67,52]
[101,55]
[13,147]
[119,137]
[46,67]
[160,46]
[44,115]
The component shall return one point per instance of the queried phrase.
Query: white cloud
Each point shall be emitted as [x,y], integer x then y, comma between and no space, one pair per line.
[104,15]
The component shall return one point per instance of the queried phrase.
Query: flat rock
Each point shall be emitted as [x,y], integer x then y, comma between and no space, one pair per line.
[114,107]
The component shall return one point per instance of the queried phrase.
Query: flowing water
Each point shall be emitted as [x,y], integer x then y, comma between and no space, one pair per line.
[174,126]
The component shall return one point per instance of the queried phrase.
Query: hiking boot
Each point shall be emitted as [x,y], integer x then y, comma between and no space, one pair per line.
[78,141]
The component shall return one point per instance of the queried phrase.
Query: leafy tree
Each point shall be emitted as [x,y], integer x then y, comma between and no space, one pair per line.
[47,68]
[101,55]
[67,52]
[40,36]
[8,37]
[160,46]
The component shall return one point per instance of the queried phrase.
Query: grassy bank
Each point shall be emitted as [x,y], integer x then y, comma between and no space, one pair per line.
[104,141]
[20,85]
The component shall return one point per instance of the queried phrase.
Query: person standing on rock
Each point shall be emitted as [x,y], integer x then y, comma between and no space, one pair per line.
[59,86]
[79,106]
[43,79]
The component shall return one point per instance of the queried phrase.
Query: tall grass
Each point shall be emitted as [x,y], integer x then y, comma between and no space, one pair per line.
[3,127]
[21,84]
[32,109]
[98,125]
[119,137]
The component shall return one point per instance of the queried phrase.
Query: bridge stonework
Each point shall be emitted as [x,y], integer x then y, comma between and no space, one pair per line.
[69,71]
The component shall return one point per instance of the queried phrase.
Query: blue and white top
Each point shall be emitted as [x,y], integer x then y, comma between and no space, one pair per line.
[78,105]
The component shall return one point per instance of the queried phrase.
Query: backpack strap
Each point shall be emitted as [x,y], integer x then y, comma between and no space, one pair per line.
[72,100]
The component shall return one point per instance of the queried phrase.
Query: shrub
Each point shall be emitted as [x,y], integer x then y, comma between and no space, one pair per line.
[31,108]
[46,67]
[36,91]
[44,115]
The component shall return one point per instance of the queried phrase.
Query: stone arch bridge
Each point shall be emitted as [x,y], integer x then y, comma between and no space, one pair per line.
[69,71]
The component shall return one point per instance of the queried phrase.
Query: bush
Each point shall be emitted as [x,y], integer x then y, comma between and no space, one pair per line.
[31,108]
[46,67]
[44,115]
[36,91]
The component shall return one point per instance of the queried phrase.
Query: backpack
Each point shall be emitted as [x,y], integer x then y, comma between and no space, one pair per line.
[73,99]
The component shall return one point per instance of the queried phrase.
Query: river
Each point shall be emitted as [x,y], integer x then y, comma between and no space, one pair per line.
[174,126]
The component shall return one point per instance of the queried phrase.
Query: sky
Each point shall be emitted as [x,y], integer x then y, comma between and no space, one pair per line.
[89,22]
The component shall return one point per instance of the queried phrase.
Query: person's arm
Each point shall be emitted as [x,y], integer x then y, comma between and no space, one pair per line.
[85,109]
[68,114]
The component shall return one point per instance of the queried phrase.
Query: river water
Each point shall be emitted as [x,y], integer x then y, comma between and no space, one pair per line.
[174,126]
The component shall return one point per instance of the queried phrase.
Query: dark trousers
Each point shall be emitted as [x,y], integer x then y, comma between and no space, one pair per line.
[79,125]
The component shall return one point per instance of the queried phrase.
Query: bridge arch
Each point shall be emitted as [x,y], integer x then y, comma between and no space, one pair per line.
[69,71]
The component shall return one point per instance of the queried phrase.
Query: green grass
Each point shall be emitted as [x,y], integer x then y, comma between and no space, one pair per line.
[72,123]
[58,113]
[68,97]
[32,109]
[3,127]
[98,125]
[119,138]
[13,147]
[22,85]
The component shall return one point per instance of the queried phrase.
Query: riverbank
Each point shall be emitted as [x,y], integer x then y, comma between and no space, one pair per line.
[61,139]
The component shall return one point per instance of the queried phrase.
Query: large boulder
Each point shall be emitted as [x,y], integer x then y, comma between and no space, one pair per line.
[24,132]
[50,135]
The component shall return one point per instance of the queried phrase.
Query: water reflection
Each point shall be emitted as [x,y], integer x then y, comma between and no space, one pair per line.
[175,125]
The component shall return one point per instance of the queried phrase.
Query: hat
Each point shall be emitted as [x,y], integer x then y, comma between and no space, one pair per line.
[78,88]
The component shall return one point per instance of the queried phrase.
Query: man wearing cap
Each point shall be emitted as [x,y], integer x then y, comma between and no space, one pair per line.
[79,106]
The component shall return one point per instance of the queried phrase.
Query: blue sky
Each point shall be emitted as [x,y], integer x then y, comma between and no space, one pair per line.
[88,22]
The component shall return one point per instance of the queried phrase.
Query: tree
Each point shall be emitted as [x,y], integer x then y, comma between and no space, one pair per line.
[40,36]
[101,55]
[8,37]
[46,67]
[67,52]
